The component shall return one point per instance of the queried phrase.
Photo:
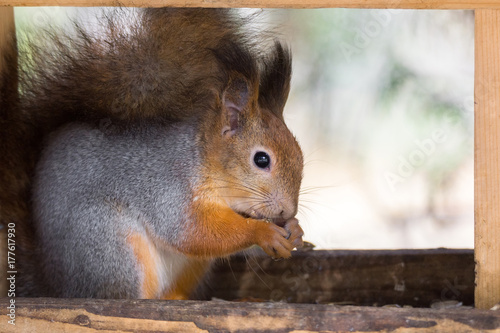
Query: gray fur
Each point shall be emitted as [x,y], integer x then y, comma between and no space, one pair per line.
[94,186]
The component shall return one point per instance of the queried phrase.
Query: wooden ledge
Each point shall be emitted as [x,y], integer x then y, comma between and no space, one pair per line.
[367,277]
[90,315]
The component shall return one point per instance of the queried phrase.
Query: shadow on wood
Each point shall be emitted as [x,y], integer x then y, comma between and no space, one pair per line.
[405,277]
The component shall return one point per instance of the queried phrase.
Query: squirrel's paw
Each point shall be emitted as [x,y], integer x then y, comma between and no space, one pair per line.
[295,232]
[274,241]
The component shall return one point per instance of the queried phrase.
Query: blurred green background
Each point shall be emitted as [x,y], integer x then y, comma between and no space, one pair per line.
[382,104]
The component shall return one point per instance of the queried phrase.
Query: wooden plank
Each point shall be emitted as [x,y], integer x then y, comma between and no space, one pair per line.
[404,277]
[7,30]
[403,4]
[8,55]
[92,315]
[487,157]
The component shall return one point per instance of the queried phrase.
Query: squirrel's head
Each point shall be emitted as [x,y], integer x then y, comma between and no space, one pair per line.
[258,161]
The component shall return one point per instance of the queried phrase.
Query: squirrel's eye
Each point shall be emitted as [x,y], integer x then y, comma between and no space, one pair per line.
[262,160]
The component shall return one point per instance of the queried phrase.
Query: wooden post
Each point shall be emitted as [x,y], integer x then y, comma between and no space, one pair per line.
[7,40]
[7,30]
[487,158]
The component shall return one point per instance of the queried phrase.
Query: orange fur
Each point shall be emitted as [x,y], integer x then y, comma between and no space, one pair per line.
[188,280]
[146,259]
[216,231]
[219,231]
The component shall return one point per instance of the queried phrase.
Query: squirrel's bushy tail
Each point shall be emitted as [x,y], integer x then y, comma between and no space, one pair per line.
[18,139]
[153,63]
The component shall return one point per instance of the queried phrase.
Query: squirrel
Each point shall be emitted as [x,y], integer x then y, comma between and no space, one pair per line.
[135,156]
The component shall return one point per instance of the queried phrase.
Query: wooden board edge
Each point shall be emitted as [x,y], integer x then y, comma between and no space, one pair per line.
[88,315]
[381,4]
[487,158]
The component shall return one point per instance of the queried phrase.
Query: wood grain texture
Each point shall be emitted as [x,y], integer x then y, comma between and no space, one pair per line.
[404,277]
[487,157]
[7,30]
[403,4]
[94,315]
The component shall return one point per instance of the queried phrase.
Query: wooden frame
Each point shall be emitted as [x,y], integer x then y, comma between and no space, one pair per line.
[487,157]
[446,275]
[396,4]
[7,27]
[416,278]
[45,315]
[487,123]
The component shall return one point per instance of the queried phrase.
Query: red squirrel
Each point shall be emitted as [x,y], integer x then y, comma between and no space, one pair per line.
[150,149]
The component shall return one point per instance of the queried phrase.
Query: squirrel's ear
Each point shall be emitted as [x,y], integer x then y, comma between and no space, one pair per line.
[275,79]
[239,98]
[235,101]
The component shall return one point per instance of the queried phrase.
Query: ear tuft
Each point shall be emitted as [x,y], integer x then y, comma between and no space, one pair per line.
[275,79]
[236,58]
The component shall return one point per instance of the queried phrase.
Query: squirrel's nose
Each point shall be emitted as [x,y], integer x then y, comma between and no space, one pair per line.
[288,212]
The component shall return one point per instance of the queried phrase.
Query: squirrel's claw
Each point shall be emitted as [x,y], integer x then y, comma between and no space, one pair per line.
[279,242]
[295,232]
